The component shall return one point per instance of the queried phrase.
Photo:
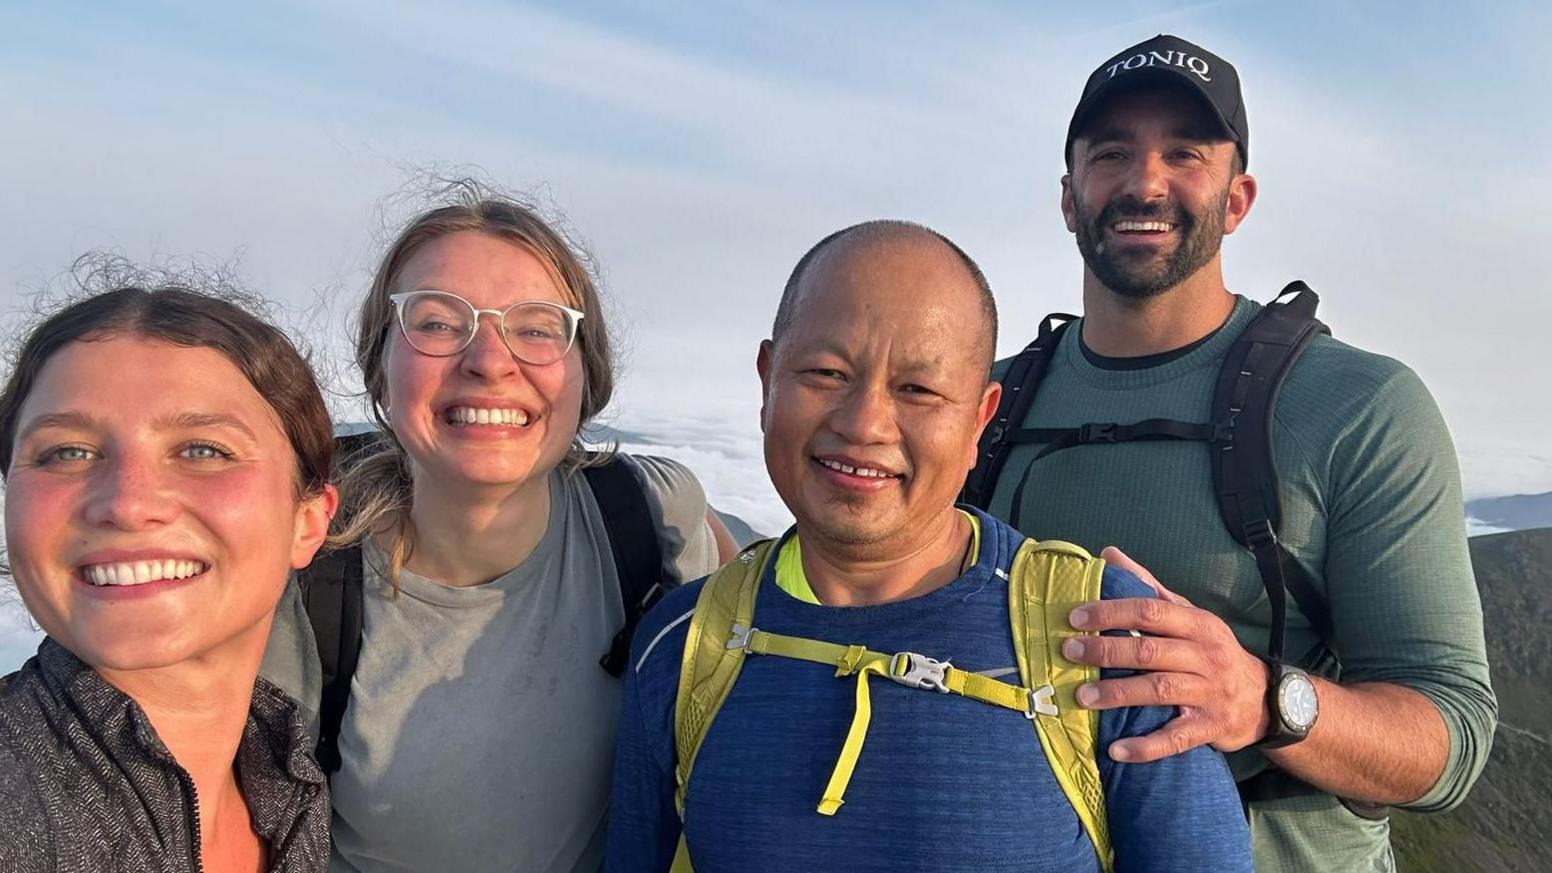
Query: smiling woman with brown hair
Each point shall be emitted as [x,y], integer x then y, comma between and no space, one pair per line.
[165,455]
[478,727]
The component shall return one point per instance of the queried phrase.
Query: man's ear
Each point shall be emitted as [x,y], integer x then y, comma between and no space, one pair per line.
[991,395]
[1069,213]
[1242,195]
[762,365]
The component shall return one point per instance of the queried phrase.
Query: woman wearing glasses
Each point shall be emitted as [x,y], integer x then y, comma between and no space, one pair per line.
[479,730]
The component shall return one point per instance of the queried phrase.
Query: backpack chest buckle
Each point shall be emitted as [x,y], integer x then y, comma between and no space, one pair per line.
[1096,433]
[919,671]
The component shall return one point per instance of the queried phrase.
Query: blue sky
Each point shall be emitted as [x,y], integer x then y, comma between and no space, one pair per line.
[699,149]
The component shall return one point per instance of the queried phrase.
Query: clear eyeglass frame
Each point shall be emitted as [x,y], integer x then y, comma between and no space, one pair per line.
[403,298]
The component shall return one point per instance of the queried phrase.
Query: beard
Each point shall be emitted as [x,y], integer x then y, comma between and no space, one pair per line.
[1138,272]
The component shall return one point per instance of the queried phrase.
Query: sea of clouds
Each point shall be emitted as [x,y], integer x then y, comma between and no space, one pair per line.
[714,431]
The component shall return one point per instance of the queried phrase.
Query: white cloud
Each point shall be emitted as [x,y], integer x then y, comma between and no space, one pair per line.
[718,437]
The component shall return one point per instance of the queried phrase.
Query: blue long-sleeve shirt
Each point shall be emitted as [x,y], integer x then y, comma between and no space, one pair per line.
[943,782]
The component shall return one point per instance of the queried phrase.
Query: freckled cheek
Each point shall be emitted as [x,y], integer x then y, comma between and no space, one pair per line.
[38,514]
[411,379]
[560,388]
[569,389]
[39,532]
[249,511]
[37,548]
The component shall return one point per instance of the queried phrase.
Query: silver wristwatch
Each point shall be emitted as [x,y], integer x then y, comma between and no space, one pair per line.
[1292,703]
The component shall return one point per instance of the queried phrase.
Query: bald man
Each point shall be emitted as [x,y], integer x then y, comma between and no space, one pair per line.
[875,392]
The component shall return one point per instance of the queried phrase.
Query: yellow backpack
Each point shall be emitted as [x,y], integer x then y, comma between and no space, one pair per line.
[1046,581]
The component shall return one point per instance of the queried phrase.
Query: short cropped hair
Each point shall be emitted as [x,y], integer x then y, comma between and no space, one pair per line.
[786,310]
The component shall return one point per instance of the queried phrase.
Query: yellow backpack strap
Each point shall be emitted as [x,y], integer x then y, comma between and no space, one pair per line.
[713,654]
[1048,579]
[910,669]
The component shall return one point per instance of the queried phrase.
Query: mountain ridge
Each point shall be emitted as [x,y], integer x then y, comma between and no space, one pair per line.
[1503,824]
[1512,512]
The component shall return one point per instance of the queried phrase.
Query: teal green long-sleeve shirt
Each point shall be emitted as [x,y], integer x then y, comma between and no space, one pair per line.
[1371,507]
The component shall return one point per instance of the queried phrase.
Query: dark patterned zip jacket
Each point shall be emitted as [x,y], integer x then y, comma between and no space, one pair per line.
[86,785]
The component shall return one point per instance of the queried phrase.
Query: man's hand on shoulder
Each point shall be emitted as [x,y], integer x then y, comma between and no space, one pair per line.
[1190,659]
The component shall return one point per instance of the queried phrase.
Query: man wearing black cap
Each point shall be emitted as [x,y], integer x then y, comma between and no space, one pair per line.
[1304,495]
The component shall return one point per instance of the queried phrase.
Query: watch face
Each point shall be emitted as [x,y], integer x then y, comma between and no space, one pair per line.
[1296,699]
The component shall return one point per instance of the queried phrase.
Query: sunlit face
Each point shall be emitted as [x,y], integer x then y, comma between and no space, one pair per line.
[877,393]
[151,507]
[1152,192]
[435,405]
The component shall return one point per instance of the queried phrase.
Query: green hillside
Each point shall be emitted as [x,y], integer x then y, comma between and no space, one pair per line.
[1506,824]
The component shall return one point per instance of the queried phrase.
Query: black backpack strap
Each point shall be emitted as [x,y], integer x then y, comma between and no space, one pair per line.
[1019,385]
[332,592]
[1094,433]
[1239,433]
[1244,468]
[1057,439]
[636,547]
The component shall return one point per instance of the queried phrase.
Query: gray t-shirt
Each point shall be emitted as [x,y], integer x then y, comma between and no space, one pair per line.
[480,731]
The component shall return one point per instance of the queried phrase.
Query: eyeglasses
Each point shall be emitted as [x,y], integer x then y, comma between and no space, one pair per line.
[440,324]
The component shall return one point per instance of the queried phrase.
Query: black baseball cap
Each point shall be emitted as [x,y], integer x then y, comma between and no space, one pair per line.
[1168,61]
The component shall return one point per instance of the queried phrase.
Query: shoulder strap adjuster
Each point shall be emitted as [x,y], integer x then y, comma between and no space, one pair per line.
[1259,534]
[1042,702]
[739,637]
[1223,433]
